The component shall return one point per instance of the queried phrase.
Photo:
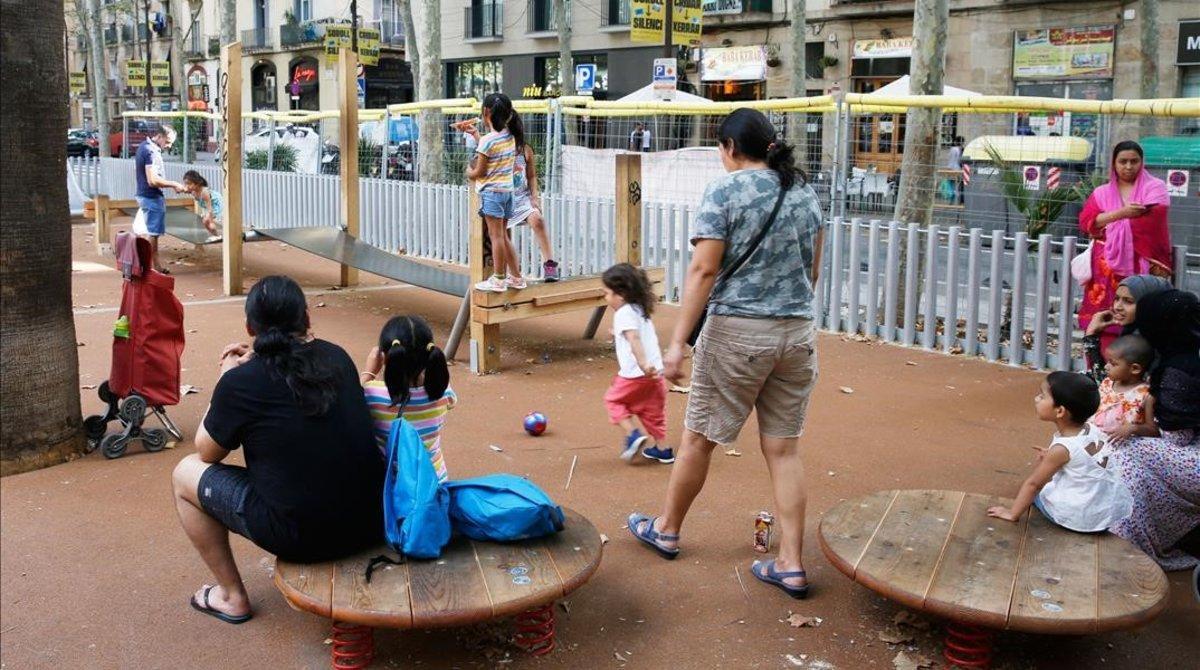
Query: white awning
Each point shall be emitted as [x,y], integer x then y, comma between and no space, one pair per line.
[900,87]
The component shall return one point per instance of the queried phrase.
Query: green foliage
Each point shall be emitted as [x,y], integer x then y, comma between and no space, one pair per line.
[368,157]
[195,135]
[285,159]
[1040,208]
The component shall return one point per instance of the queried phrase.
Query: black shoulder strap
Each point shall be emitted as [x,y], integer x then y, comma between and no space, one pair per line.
[754,243]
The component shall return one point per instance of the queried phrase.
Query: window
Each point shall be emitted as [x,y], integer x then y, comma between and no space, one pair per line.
[813,53]
[1050,124]
[303,10]
[474,79]
[541,16]
[614,12]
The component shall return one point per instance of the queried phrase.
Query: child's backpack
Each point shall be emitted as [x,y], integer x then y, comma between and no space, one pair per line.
[416,520]
[502,508]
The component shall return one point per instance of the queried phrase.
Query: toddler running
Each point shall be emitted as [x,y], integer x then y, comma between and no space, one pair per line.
[1072,484]
[415,385]
[638,393]
[1126,406]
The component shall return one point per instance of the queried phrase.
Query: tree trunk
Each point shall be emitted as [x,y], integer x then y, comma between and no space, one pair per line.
[431,163]
[96,51]
[795,126]
[566,68]
[39,366]
[1149,55]
[180,23]
[914,202]
[412,51]
[228,22]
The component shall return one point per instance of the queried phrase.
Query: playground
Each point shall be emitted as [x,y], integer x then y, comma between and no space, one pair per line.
[96,573]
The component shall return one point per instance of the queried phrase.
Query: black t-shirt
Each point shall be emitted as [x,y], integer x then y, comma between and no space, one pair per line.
[317,481]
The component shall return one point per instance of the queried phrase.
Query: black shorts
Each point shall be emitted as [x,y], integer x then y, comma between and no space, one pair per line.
[222,492]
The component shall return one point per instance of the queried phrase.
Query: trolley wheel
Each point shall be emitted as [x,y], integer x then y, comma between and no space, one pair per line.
[105,392]
[133,410]
[154,439]
[114,445]
[94,427]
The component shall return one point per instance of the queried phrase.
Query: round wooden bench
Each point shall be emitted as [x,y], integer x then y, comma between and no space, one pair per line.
[472,582]
[939,552]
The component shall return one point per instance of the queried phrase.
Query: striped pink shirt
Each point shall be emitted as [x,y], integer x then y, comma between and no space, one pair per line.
[426,416]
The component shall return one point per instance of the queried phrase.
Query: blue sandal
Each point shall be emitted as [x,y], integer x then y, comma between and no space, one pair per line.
[764,571]
[651,537]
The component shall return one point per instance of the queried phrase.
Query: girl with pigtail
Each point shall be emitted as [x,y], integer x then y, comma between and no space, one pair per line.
[406,375]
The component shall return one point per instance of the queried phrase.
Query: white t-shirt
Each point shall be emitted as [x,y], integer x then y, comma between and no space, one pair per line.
[646,140]
[954,160]
[630,317]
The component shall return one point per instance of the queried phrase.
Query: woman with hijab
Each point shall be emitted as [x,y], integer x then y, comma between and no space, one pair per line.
[1127,222]
[1162,473]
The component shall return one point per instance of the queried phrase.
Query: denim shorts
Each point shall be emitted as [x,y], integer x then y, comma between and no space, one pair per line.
[496,204]
[156,214]
[222,491]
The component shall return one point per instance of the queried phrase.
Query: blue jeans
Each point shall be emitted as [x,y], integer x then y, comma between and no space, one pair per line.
[156,214]
[496,204]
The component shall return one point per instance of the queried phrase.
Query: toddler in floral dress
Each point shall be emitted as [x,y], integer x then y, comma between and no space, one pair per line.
[1126,406]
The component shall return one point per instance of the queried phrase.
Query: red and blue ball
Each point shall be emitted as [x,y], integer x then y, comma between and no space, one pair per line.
[535,423]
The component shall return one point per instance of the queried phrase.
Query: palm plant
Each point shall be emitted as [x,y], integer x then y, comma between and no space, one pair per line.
[1040,208]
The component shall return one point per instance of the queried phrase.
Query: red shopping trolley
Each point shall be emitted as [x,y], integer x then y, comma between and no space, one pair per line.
[147,346]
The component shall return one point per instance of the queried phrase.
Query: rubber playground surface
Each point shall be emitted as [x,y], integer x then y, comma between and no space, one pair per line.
[95,571]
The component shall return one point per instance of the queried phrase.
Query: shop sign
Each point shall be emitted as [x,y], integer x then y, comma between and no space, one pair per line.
[368,46]
[160,74]
[687,22]
[135,73]
[1177,183]
[896,47]
[78,81]
[1058,53]
[734,64]
[664,78]
[646,21]
[1033,177]
[722,7]
[1189,43]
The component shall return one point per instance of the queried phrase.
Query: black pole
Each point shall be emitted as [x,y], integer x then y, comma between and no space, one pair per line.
[668,34]
[354,26]
[146,25]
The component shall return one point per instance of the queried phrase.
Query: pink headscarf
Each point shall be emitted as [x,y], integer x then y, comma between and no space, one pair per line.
[1118,235]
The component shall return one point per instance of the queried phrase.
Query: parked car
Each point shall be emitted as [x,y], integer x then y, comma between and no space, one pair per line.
[139,130]
[83,143]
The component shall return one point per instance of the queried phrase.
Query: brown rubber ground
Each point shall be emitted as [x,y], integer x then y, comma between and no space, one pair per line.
[96,572]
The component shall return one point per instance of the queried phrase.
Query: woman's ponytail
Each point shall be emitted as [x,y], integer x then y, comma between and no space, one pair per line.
[749,133]
[396,372]
[437,372]
[278,314]
[781,158]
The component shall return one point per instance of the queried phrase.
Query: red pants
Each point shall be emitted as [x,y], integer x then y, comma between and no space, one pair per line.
[643,397]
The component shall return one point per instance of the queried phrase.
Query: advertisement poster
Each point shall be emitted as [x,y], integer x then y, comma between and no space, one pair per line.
[78,82]
[337,36]
[135,73]
[734,64]
[160,74]
[647,21]
[368,46]
[722,7]
[1064,53]
[686,22]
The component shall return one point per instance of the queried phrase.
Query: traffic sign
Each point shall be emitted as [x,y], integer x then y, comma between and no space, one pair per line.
[585,78]
[664,78]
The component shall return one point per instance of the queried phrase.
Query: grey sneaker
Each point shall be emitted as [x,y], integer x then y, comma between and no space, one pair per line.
[550,271]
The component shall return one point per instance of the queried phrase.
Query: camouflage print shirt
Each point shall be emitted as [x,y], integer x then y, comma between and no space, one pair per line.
[774,283]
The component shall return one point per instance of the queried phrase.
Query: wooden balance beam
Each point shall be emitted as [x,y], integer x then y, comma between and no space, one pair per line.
[104,208]
[489,310]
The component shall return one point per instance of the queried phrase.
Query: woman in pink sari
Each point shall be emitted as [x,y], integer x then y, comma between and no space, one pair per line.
[1127,221]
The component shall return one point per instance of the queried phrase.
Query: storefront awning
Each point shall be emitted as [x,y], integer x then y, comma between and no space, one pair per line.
[900,87]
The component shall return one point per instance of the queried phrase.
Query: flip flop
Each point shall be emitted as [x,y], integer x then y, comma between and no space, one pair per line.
[651,537]
[765,572]
[213,612]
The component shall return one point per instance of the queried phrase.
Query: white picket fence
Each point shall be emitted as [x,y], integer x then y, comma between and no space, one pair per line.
[1008,299]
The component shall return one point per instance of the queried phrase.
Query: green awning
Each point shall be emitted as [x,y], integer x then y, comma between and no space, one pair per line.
[1177,152]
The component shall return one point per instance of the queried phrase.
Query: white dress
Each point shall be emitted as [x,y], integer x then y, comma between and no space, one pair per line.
[1087,494]
[522,205]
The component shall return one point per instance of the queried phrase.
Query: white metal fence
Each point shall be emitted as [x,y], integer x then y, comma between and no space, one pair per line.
[969,291]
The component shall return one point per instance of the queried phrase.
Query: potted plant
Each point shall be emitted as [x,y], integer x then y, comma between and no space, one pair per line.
[827,62]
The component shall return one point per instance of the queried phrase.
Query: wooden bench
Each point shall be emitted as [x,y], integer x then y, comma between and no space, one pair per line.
[939,552]
[472,582]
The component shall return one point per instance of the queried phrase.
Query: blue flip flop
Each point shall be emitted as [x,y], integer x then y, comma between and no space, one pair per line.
[214,612]
[651,537]
[765,572]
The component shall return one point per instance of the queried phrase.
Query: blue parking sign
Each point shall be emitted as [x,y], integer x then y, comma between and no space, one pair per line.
[585,78]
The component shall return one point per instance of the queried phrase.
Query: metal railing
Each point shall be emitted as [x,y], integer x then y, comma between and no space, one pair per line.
[391,32]
[614,13]
[484,21]
[257,39]
[301,33]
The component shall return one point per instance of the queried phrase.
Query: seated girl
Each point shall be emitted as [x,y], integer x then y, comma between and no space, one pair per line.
[415,385]
[1072,484]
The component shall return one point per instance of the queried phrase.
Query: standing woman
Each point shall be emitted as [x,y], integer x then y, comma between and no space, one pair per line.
[1127,221]
[312,487]
[756,349]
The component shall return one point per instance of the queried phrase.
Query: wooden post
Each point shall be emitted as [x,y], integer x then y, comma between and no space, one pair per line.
[485,338]
[103,232]
[629,209]
[231,159]
[348,138]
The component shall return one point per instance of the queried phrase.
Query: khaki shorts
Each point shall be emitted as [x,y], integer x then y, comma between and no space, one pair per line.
[766,364]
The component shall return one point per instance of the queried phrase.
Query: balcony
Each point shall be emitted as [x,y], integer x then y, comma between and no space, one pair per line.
[391,33]
[541,18]
[614,13]
[258,39]
[301,34]
[196,49]
[484,22]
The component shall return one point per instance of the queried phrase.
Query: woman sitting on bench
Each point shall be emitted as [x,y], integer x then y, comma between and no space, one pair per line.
[313,480]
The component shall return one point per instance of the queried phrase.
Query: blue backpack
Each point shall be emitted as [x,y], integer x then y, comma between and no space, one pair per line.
[416,521]
[502,508]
